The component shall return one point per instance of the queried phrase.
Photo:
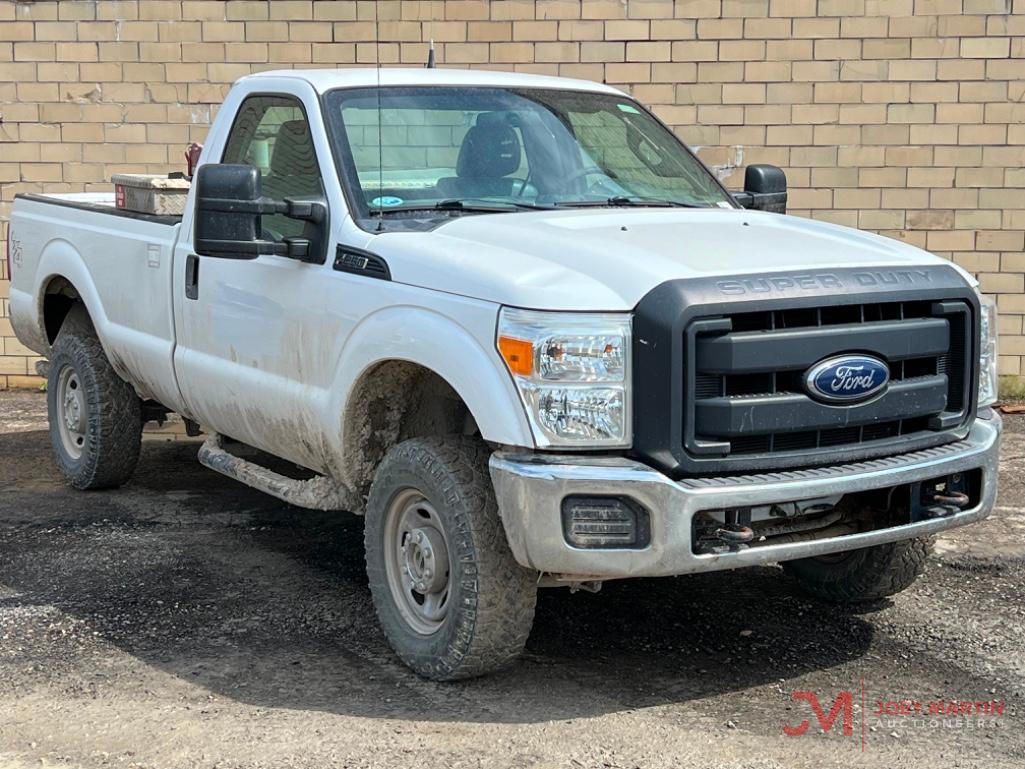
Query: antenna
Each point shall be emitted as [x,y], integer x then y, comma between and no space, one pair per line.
[380,128]
[430,34]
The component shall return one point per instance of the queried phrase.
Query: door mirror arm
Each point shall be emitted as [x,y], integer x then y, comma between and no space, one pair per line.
[293,208]
[303,208]
[292,248]
[300,249]
[229,207]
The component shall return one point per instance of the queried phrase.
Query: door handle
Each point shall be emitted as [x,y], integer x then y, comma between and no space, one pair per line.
[192,277]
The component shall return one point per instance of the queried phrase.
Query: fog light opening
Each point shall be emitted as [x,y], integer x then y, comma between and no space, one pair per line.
[607,523]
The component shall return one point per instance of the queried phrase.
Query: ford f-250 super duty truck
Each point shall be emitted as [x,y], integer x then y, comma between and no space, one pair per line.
[516,323]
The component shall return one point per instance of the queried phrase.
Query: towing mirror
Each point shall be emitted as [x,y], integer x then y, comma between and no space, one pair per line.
[229,217]
[765,189]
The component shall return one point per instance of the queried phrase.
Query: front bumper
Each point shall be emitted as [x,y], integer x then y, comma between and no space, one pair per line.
[530,489]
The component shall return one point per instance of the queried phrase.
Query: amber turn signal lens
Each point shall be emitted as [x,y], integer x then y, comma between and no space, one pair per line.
[518,354]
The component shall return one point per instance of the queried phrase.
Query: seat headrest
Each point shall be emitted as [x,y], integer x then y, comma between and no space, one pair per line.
[490,149]
[293,150]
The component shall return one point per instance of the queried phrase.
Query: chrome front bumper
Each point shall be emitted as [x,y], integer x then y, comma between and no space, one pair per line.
[530,489]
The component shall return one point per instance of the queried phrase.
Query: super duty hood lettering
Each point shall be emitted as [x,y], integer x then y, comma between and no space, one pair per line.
[824,280]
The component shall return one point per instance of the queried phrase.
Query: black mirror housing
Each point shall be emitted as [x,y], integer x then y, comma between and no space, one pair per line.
[765,189]
[763,178]
[229,217]
[220,231]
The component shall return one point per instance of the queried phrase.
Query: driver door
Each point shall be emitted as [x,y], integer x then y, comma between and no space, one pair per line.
[251,331]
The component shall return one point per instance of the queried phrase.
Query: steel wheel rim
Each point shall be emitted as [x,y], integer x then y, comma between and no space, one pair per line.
[72,418]
[417,561]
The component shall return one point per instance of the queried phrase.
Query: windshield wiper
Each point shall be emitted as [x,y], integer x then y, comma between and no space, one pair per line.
[480,204]
[622,201]
[471,205]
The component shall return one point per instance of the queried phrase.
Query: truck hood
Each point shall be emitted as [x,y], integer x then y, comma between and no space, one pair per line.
[608,259]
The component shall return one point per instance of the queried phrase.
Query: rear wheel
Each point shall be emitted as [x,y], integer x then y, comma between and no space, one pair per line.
[95,416]
[451,599]
[866,574]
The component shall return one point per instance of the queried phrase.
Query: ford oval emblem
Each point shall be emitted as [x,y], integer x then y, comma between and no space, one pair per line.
[846,378]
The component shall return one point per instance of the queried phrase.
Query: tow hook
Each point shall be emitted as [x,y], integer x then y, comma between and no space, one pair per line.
[947,503]
[734,533]
[724,539]
[737,535]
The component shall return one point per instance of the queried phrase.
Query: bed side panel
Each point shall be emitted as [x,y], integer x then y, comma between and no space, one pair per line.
[121,267]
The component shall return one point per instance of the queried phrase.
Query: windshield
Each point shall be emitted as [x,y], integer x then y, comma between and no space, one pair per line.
[433,150]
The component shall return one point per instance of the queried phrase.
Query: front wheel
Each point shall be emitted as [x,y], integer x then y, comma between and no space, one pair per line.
[451,599]
[866,574]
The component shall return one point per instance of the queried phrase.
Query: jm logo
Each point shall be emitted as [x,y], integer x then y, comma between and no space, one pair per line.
[844,703]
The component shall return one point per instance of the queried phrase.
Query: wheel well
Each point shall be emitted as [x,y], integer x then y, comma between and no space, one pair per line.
[393,402]
[58,300]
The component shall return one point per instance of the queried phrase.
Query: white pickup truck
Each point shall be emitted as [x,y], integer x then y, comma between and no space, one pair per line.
[514,322]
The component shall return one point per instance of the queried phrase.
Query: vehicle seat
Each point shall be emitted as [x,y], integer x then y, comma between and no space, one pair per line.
[293,168]
[489,153]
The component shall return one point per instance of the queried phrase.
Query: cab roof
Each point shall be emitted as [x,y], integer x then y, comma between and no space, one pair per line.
[324,80]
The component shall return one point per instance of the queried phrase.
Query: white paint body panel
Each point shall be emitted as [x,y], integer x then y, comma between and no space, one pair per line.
[121,268]
[608,259]
[272,348]
[324,80]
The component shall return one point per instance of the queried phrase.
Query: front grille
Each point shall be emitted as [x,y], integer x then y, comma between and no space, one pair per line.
[744,394]
[813,439]
[719,365]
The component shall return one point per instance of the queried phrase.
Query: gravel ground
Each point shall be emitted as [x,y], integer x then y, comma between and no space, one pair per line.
[188,621]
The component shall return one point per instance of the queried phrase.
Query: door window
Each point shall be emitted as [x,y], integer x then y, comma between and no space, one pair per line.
[273,134]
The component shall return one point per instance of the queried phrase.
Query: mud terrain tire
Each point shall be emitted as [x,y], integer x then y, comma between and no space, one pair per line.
[95,416]
[437,491]
[862,575]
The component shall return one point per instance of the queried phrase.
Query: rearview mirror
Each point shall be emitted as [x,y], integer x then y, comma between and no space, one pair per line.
[229,217]
[765,189]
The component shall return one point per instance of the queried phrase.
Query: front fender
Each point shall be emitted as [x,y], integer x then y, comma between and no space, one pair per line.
[451,351]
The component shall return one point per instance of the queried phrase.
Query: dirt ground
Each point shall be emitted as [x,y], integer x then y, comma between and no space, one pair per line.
[187,621]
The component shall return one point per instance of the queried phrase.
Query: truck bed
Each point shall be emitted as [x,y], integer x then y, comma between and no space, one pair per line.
[97,202]
[121,265]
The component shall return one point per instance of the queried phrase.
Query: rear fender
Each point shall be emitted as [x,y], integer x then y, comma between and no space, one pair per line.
[60,259]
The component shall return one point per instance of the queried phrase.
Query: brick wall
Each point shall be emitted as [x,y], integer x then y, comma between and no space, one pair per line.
[906,117]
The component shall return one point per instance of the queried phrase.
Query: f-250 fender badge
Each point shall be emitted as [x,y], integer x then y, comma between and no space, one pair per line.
[846,378]
[15,246]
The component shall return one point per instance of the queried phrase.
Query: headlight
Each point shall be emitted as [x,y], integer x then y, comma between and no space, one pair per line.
[573,374]
[988,381]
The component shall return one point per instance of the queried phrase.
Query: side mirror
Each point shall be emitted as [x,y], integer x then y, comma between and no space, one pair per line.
[229,216]
[765,189]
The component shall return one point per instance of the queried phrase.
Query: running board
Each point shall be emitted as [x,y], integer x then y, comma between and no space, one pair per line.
[318,493]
